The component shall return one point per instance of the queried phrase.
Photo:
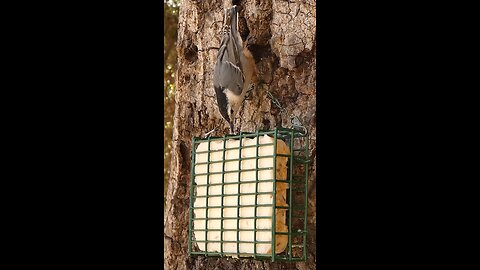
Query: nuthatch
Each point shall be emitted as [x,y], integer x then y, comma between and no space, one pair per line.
[234,70]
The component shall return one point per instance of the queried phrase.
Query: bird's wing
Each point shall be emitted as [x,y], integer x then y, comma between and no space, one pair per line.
[231,52]
[231,77]
[228,74]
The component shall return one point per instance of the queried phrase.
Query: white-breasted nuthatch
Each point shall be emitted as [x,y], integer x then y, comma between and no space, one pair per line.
[235,69]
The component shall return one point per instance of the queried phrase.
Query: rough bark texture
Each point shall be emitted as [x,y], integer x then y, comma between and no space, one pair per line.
[283,45]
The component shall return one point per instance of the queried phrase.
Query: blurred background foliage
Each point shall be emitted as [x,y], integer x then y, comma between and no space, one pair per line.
[170,26]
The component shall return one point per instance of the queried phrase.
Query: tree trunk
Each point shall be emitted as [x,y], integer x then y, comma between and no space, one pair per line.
[283,38]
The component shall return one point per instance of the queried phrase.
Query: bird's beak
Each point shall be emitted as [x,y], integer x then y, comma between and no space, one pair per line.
[231,127]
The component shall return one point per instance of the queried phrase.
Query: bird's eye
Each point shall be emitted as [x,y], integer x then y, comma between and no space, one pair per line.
[231,111]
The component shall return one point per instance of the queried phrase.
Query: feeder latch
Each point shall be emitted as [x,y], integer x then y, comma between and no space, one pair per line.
[296,124]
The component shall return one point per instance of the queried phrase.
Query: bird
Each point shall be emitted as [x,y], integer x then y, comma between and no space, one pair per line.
[235,70]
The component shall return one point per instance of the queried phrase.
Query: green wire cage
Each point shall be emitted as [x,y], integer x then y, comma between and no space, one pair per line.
[247,197]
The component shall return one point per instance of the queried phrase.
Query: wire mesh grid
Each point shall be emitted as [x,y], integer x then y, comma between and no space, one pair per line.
[202,228]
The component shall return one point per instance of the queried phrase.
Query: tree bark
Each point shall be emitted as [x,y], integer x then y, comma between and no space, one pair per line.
[283,40]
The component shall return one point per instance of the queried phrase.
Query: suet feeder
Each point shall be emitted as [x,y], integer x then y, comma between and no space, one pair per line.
[248,195]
